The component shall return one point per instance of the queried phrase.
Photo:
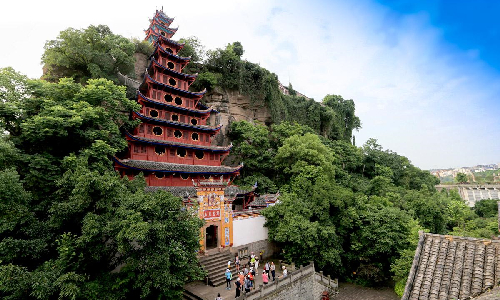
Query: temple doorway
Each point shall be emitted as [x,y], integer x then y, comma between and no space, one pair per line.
[211,237]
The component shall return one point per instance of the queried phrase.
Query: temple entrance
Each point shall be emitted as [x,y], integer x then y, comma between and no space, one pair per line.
[211,237]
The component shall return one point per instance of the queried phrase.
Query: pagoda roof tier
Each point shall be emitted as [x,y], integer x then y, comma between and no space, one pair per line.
[175,90]
[170,55]
[154,166]
[177,124]
[230,191]
[187,77]
[167,29]
[161,15]
[177,144]
[171,42]
[175,107]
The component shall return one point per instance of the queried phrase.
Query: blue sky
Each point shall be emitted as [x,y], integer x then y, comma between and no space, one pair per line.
[425,75]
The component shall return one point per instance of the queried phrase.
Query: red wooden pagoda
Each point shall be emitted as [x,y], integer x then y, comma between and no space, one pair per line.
[173,145]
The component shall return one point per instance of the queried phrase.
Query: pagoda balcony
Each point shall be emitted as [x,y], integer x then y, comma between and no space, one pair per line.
[169,134]
[156,85]
[185,106]
[192,145]
[169,123]
[170,68]
[182,117]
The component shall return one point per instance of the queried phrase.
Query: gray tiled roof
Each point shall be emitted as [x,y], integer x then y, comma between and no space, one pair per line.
[262,200]
[190,191]
[177,144]
[170,167]
[450,267]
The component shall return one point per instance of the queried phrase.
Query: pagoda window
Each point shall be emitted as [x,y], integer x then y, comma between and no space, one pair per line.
[207,138]
[169,132]
[165,79]
[186,135]
[162,33]
[175,118]
[183,119]
[169,98]
[178,100]
[143,149]
[178,134]
[150,129]
[184,176]
[170,65]
[154,94]
[154,113]
[160,150]
[212,156]
[157,130]
[159,175]
[167,115]
[172,82]
[194,136]
[194,121]
[190,154]
[199,154]
[172,152]
[169,50]
[141,128]
[181,152]
[137,148]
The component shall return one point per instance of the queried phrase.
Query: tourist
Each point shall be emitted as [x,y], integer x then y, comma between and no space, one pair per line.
[256,265]
[285,272]
[237,263]
[247,284]
[228,279]
[251,277]
[246,271]
[242,280]
[266,268]
[261,254]
[273,270]
[252,261]
[265,279]
[218,297]
[238,287]
[229,264]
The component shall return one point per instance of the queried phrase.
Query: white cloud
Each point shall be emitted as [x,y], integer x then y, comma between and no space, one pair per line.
[417,94]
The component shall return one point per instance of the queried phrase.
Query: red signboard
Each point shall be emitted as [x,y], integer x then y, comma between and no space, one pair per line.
[211,213]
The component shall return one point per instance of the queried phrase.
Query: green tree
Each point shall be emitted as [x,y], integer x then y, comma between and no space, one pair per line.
[94,52]
[461,178]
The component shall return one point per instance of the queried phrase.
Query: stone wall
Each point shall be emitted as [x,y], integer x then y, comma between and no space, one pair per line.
[304,284]
[268,247]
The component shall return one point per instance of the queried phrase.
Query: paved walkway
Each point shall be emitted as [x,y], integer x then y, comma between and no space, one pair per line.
[349,291]
[208,292]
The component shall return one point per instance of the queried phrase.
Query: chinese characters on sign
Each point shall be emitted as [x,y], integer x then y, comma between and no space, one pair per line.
[211,213]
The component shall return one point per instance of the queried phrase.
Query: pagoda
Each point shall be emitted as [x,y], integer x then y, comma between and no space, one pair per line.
[172,146]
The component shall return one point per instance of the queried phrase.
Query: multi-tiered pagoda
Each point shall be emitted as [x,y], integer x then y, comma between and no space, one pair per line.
[172,146]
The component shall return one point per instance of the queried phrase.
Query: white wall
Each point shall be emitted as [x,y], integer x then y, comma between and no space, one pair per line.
[249,230]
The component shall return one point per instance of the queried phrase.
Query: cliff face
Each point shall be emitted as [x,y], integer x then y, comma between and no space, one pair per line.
[235,107]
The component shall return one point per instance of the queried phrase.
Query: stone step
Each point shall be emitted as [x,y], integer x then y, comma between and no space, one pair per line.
[206,258]
[187,295]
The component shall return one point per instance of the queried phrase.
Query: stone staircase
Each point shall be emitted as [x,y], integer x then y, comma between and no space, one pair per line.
[187,295]
[215,265]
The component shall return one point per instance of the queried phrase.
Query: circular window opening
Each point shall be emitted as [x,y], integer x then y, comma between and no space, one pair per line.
[199,154]
[178,100]
[172,82]
[153,113]
[169,50]
[170,65]
[185,176]
[194,136]
[160,150]
[194,121]
[162,33]
[159,175]
[169,98]
[175,118]
[157,130]
[181,152]
[178,134]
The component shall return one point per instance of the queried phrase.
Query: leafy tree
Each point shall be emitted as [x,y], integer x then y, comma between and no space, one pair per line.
[486,208]
[70,227]
[461,178]
[94,52]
